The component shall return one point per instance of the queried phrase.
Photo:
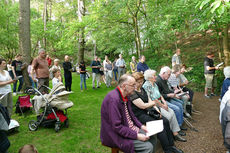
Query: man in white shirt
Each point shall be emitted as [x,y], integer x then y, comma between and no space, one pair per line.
[121,66]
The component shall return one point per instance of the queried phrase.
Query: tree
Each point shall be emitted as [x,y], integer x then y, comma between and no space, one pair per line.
[24,35]
[81,39]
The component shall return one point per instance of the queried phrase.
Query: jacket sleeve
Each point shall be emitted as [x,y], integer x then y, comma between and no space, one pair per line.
[116,118]
[227,129]
[161,90]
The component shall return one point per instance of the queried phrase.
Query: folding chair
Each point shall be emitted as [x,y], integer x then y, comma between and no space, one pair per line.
[23,104]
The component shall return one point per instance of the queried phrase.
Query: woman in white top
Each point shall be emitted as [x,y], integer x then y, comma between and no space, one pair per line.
[5,81]
[55,66]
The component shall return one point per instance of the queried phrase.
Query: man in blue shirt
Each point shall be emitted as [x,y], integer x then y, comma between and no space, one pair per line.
[95,65]
[121,66]
[142,66]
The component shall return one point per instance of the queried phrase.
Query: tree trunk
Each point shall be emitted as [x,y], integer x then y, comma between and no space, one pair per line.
[24,37]
[44,22]
[137,36]
[225,46]
[81,40]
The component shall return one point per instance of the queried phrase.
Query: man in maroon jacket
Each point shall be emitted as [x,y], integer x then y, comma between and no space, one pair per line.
[119,126]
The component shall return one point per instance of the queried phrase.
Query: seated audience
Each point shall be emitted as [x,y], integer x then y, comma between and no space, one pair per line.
[119,126]
[226,82]
[140,105]
[153,93]
[174,81]
[184,81]
[169,95]
[28,148]
[5,87]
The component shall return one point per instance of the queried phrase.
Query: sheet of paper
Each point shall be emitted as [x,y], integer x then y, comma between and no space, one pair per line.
[154,127]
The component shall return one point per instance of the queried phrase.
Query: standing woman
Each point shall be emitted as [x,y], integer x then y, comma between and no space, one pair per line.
[67,73]
[133,64]
[109,72]
[115,69]
[82,74]
[5,81]
[9,69]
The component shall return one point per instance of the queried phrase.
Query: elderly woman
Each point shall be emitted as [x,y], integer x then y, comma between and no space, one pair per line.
[140,104]
[5,81]
[153,92]
[226,82]
[174,81]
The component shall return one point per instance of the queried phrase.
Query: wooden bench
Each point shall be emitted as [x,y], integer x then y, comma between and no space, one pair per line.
[113,150]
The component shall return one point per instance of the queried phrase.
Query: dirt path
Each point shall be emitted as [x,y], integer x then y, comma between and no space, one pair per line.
[209,138]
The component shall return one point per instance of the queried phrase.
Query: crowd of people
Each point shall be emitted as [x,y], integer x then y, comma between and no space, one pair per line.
[139,97]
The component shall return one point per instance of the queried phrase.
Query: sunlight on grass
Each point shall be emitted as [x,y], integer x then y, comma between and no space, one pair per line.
[83,134]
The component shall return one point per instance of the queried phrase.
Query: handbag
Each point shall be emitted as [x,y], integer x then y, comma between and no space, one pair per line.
[153,113]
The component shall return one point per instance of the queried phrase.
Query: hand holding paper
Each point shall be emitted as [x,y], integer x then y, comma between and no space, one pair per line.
[154,127]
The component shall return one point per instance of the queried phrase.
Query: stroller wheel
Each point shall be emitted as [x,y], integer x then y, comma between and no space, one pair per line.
[57,126]
[33,125]
[66,123]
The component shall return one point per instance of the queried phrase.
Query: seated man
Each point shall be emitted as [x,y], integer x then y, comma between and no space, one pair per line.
[119,126]
[173,100]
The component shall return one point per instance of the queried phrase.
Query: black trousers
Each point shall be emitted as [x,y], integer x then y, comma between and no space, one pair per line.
[68,81]
[165,137]
[191,93]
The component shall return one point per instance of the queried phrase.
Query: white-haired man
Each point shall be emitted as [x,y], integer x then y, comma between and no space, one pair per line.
[169,95]
[119,126]
[41,68]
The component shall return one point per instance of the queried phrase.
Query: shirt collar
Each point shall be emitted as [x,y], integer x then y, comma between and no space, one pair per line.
[124,99]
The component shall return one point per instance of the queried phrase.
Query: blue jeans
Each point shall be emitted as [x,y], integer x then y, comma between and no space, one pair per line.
[21,80]
[83,78]
[177,106]
[33,84]
[115,73]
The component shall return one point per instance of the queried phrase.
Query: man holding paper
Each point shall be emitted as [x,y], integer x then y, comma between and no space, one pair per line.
[119,126]
[209,73]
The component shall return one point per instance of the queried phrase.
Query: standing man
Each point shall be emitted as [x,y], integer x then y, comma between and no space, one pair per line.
[176,59]
[40,67]
[17,68]
[67,66]
[209,73]
[121,66]
[95,65]
[142,66]
[119,126]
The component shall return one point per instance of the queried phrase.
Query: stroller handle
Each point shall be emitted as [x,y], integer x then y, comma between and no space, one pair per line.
[4,95]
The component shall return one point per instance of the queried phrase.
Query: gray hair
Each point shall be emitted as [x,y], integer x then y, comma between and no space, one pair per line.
[149,73]
[41,50]
[227,72]
[164,69]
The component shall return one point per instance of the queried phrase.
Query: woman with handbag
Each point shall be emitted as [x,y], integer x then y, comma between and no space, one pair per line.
[145,110]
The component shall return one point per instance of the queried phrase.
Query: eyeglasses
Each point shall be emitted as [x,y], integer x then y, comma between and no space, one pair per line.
[133,85]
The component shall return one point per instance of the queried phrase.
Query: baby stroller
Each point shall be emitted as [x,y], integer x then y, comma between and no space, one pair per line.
[53,105]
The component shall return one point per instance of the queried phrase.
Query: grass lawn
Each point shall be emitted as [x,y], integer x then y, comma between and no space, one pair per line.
[83,134]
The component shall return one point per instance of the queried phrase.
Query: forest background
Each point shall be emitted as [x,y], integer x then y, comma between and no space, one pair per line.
[82,29]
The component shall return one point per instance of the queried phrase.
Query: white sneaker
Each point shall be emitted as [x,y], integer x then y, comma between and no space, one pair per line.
[14,94]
